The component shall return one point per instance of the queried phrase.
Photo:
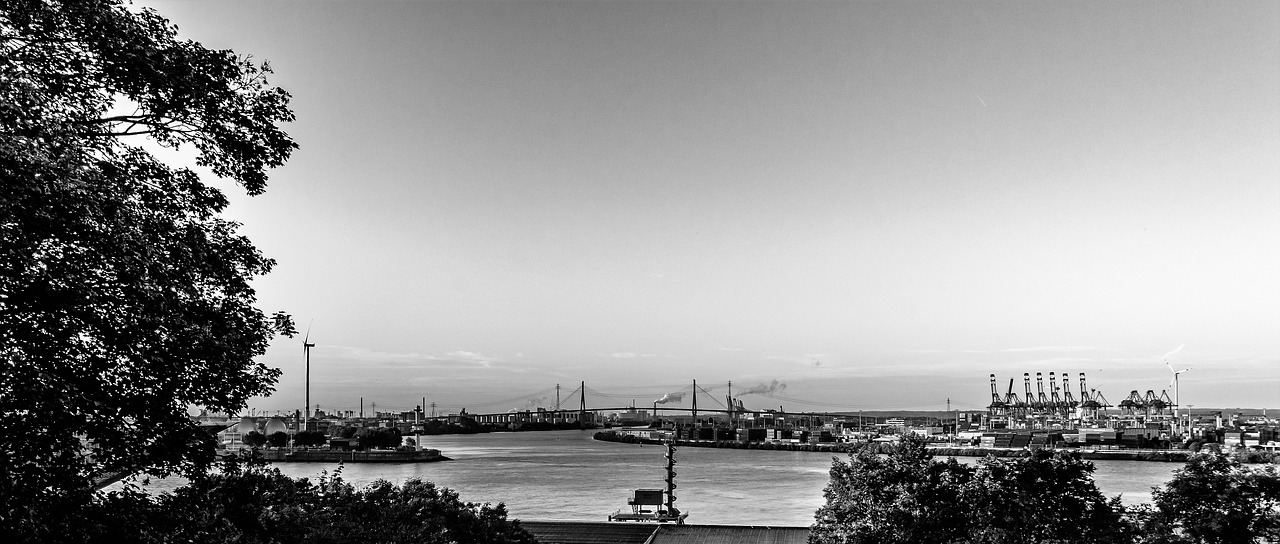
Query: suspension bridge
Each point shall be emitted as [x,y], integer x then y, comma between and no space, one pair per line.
[584,403]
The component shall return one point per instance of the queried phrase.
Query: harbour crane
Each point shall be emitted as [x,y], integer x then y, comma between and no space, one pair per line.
[1014,404]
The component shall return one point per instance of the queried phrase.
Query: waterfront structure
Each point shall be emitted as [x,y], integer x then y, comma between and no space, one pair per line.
[232,437]
[1060,410]
[655,505]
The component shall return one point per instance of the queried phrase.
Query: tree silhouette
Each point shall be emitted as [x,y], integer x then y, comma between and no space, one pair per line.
[1214,499]
[254,439]
[278,439]
[124,296]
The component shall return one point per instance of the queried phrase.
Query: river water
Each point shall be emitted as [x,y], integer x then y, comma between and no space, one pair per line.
[566,475]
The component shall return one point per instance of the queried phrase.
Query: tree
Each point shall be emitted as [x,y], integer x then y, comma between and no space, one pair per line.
[382,437]
[907,497]
[1214,499]
[124,296]
[904,496]
[1043,497]
[278,439]
[256,504]
[309,438]
[254,439]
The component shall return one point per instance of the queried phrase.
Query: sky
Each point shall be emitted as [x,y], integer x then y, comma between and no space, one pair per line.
[875,205]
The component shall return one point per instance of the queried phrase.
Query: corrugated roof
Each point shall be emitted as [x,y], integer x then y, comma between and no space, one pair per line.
[731,534]
[588,532]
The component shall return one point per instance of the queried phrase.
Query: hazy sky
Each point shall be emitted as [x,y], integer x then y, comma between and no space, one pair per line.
[877,204]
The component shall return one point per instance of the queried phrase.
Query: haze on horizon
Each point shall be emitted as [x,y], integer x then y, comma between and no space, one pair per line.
[875,204]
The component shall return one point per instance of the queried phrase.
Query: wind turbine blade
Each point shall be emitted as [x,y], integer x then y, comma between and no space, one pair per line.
[307,337]
[1183,370]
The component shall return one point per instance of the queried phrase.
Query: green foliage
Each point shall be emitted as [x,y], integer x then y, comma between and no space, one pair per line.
[252,504]
[1215,499]
[907,497]
[124,296]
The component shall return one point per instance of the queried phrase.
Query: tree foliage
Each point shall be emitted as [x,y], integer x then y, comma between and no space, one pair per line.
[902,497]
[1043,497]
[1215,499]
[908,497]
[381,437]
[252,504]
[278,439]
[124,296]
[254,439]
[310,438]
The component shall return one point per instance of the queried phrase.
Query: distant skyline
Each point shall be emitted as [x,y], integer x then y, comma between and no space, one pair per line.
[877,204]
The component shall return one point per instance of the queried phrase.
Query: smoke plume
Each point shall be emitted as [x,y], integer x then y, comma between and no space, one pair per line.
[670,397]
[762,389]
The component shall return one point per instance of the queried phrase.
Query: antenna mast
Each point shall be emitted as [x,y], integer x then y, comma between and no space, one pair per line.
[671,480]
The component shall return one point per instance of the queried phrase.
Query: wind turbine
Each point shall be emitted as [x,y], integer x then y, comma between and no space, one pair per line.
[1174,382]
[306,353]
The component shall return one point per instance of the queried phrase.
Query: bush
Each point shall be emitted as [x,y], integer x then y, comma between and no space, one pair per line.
[250,504]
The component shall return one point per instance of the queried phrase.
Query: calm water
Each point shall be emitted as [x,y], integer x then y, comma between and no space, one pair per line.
[566,475]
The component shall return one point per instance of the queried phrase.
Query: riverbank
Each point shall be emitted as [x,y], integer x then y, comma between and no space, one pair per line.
[1169,456]
[470,426]
[825,447]
[333,456]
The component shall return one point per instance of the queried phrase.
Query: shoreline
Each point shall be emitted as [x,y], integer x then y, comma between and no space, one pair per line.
[1165,456]
[332,456]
